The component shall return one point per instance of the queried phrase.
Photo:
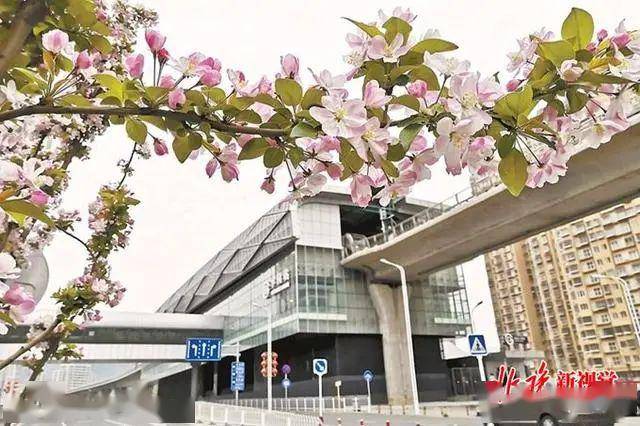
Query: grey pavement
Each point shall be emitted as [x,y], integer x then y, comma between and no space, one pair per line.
[353,419]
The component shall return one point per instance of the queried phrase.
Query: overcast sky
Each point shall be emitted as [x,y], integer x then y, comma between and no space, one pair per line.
[184,217]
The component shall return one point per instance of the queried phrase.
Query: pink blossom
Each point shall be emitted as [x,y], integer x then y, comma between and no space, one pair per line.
[513,84]
[8,266]
[55,41]
[388,52]
[570,70]
[211,167]
[167,82]
[210,77]
[400,187]
[331,83]
[268,185]
[602,34]
[453,140]
[614,121]
[155,40]
[339,117]
[163,55]
[229,163]
[212,63]
[479,156]
[290,66]
[134,64]
[334,171]
[374,96]
[373,138]
[177,98]
[621,40]
[404,14]
[39,197]
[551,164]
[361,190]
[417,88]
[83,60]
[240,83]
[23,302]
[265,86]
[472,93]
[159,147]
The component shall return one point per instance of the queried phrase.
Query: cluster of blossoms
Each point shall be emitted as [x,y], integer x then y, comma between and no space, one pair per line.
[418,106]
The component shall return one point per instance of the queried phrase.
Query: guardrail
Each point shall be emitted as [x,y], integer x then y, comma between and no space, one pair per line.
[352,403]
[354,243]
[209,412]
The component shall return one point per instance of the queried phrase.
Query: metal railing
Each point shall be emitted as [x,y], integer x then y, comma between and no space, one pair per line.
[221,414]
[352,403]
[354,243]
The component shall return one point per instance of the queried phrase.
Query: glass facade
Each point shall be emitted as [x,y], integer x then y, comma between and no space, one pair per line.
[310,291]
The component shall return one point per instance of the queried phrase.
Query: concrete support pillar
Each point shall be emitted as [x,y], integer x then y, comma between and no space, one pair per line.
[195,381]
[387,301]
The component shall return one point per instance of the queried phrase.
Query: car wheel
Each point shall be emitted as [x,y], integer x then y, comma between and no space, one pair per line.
[547,420]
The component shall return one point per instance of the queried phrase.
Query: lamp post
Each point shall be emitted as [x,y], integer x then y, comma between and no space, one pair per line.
[267,308]
[473,327]
[407,321]
[629,300]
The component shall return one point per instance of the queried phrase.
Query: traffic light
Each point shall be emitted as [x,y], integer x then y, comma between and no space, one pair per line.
[265,361]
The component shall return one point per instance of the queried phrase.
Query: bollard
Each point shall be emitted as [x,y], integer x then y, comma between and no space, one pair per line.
[362,422]
[388,423]
[321,421]
[339,421]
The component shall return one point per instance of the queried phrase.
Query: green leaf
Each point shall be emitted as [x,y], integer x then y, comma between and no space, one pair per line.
[84,11]
[370,30]
[542,74]
[248,116]
[389,168]
[395,26]
[181,148]
[154,121]
[289,91]
[75,100]
[273,157]
[254,148]
[18,209]
[577,100]
[312,97]
[111,84]
[375,71]
[266,99]
[136,129]
[595,78]
[101,43]
[577,28]
[513,171]
[426,74]
[28,76]
[512,105]
[505,144]
[395,152]
[433,45]
[407,100]
[6,318]
[409,133]
[556,51]
[303,129]
[296,155]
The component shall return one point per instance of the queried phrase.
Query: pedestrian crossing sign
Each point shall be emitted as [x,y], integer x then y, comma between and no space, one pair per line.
[477,345]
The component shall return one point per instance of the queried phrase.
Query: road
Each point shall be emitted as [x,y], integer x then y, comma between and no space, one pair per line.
[353,419]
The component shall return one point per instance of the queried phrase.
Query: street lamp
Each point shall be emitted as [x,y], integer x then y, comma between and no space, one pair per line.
[407,321]
[267,308]
[473,328]
[629,300]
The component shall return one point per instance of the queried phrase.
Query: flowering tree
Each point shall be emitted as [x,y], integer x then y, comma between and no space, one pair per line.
[68,72]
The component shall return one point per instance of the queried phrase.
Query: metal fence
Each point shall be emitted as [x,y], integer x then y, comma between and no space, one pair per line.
[355,243]
[352,403]
[222,414]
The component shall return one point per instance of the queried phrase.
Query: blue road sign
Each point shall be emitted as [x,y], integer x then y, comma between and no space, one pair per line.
[237,376]
[367,375]
[477,345]
[320,366]
[286,383]
[203,349]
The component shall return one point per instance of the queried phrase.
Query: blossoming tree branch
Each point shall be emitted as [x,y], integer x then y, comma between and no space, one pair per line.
[405,103]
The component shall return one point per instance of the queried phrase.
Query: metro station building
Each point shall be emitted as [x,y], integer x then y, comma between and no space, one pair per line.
[289,262]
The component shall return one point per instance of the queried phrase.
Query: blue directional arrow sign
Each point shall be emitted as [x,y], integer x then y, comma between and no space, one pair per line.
[367,375]
[203,349]
[477,345]
[320,366]
[237,376]
[286,383]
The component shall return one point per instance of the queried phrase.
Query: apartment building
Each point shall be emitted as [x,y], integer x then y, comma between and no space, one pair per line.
[552,290]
